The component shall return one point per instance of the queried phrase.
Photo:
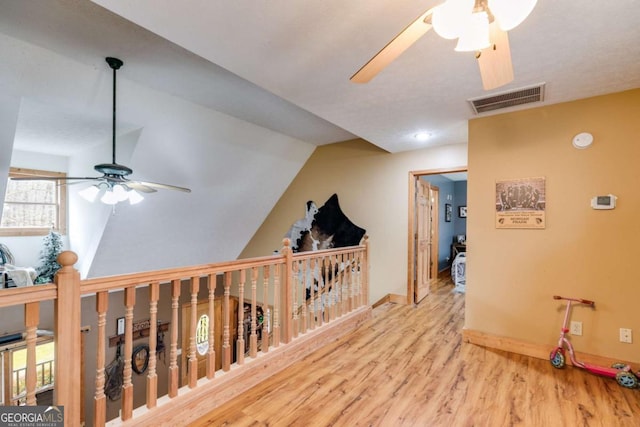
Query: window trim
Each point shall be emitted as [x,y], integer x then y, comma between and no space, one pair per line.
[61,205]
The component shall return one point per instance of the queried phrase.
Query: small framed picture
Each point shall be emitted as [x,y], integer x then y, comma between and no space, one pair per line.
[447,212]
[120,326]
[462,211]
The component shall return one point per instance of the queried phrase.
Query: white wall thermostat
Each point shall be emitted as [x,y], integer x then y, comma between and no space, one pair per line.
[604,202]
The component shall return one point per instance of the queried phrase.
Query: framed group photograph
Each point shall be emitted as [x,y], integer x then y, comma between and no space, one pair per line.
[521,203]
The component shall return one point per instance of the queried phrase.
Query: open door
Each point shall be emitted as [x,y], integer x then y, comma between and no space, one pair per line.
[426,241]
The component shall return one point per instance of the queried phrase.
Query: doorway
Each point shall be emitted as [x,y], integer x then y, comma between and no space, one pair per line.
[429,206]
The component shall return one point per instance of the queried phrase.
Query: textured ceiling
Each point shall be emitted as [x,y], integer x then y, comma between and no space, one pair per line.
[286,65]
[306,51]
[87,33]
[52,130]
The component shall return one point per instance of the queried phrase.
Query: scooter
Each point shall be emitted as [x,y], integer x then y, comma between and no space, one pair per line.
[620,371]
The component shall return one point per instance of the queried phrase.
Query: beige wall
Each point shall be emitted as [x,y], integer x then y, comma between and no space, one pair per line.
[372,187]
[512,274]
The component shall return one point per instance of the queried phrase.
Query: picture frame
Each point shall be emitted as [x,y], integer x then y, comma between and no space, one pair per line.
[120,326]
[521,203]
[447,212]
[462,211]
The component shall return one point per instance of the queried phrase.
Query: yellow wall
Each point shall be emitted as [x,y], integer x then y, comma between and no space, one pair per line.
[512,274]
[373,190]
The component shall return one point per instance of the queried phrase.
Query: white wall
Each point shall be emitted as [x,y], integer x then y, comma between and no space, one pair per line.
[237,170]
[9,107]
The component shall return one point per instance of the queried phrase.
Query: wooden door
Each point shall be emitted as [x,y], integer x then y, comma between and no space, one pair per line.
[434,214]
[203,310]
[426,242]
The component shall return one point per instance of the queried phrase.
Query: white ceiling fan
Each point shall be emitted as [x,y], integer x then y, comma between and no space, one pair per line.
[479,25]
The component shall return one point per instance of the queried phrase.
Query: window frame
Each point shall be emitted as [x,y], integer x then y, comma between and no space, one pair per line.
[9,370]
[61,205]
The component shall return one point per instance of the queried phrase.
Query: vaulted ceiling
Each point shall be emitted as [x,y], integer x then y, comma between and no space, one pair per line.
[286,65]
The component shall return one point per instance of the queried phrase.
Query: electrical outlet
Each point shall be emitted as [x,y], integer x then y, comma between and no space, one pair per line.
[625,335]
[576,328]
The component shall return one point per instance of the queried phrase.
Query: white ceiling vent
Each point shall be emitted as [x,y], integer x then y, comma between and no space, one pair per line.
[512,98]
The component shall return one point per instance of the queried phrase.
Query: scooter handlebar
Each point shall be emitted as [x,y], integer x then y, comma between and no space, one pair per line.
[580,300]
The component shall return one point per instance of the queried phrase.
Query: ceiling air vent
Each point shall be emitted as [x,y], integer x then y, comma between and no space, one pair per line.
[498,101]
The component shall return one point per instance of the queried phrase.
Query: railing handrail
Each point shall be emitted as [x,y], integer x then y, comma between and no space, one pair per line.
[106,283]
[47,292]
[325,252]
[28,294]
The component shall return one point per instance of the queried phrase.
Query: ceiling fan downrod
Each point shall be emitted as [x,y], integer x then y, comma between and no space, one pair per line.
[115,65]
[113,169]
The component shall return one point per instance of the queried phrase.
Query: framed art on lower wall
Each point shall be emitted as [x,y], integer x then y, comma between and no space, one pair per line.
[462,211]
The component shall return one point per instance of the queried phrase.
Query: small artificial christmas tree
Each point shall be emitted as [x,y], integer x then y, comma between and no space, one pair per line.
[48,257]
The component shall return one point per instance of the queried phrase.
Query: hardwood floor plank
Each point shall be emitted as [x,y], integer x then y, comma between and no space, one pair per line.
[408,366]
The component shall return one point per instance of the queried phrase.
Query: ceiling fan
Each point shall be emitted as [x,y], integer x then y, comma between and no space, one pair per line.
[114,182]
[479,25]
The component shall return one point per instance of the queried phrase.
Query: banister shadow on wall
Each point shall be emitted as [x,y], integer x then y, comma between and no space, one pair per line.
[286,306]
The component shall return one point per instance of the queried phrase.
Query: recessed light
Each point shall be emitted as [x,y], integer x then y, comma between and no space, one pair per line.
[422,136]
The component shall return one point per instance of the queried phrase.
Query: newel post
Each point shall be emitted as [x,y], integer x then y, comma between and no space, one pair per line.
[286,289]
[67,339]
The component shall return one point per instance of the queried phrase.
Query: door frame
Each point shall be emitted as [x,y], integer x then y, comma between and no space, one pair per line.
[411,261]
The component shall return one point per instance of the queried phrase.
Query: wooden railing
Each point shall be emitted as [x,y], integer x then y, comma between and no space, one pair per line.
[265,304]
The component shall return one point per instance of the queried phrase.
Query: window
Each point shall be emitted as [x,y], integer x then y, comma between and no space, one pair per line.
[14,366]
[32,208]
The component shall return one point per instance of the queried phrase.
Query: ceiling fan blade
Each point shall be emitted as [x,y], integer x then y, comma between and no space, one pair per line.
[84,181]
[495,64]
[154,185]
[138,186]
[51,178]
[393,49]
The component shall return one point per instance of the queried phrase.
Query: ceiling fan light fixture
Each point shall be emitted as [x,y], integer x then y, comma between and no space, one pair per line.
[120,193]
[109,198]
[475,35]
[448,18]
[113,195]
[134,197]
[511,13]
[90,193]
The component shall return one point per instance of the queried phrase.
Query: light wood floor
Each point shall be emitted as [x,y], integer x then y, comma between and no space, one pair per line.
[409,367]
